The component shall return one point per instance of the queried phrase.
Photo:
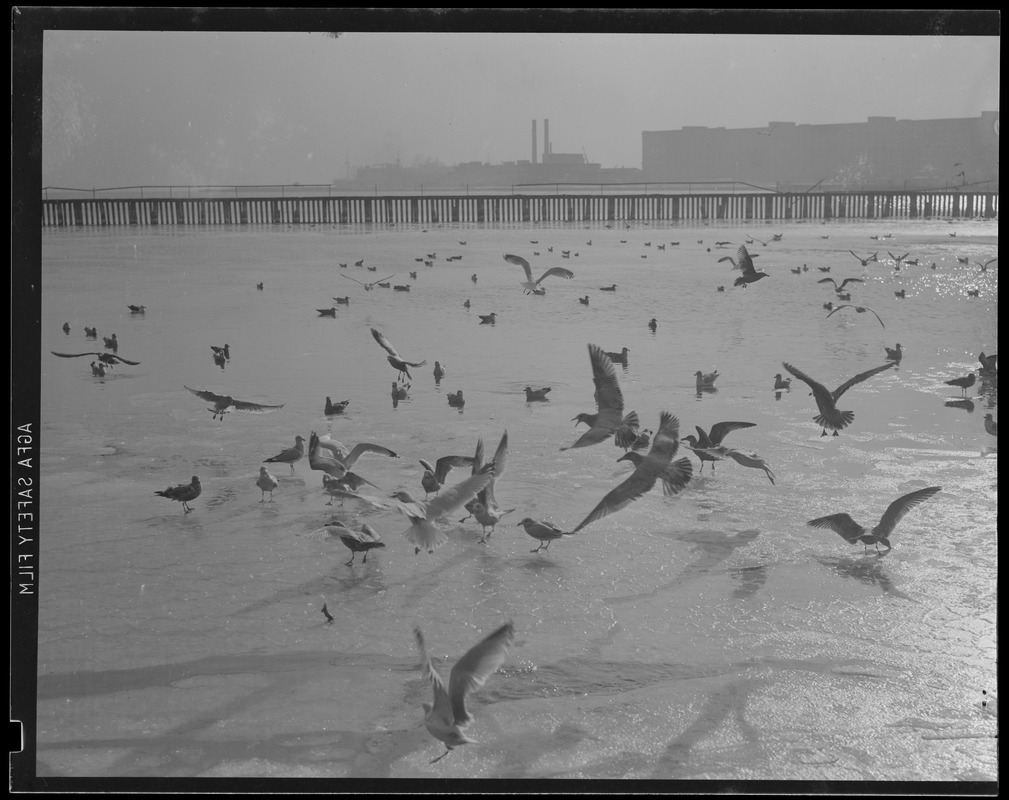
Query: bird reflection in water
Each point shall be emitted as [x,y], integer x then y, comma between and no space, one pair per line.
[868,570]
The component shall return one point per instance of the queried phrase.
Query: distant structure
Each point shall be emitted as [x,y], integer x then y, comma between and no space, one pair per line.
[881,153]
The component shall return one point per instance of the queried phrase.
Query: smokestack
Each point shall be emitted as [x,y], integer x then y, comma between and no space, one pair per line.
[546,139]
[534,142]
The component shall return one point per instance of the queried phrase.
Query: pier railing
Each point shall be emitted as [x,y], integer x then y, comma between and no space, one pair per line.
[732,206]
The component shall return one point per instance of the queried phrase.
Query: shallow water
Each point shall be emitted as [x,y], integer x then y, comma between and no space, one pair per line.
[708,636]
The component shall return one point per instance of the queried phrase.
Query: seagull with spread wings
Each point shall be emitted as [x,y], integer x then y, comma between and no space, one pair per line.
[330,456]
[656,465]
[397,361]
[744,262]
[853,533]
[369,286]
[109,359]
[840,288]
[531,286]
[858,310]
[222,402]
[609,420]
[447,717]
[484,507]
[826,400]
[865,261]
[705,440]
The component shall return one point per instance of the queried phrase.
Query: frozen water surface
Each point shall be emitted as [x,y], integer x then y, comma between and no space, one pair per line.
[712,635]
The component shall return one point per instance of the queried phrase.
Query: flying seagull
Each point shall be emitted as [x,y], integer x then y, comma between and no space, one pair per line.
[531,286]
[222,402]
[609,418]
[395,358]
[826,401]
[854,533]
[109,359]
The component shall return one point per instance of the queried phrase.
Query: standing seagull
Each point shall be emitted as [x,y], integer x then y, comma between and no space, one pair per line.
[745,262]
[395,358]
[266,483]
[222,402]
[183,493]
[290,455]
[826,401]
[854,533]
[422,514]
[963,383]
[609,419]
[657,465]
[544,532]
[447,718]
[531,286]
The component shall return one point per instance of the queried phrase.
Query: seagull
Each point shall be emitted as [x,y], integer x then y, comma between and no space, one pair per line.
[545,532]
[964,383]
[984,266]
[422,514]
[533,395]
[762,242]
[704,440]
[750,275]
[336,408]
[484,506]
[90,333]
[345,486]
[858,309]
[609,419]
[137,309]
[395,358]
[399,392]
[356,541]
[826,401]
[988,363]
[843,283]
[108,359]
[900,293]
[327,312]
[611,288]
[220,360]
[488,319]
[706,380]
[990,425]
[897,259]
[266,483]
[98,370]
[290,455]
[66,328]
[745,459]
[782,384]
[894,353]
[342,301]
[529,284]
[652,324]
[854,533]
[584,300]
[447,718]
[368,286]
[657,465]
[865,261]
[619,358]
[183,493]
[455,399]
[222,402]
[111,343]
[222,351]
[439,372]
[331,457]
[434,476]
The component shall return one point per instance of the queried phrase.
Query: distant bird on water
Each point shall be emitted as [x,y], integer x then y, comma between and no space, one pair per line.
[222,402]
[544,532]
[447,718]
[66,328]
[223,351]
[534,395]
[611,288]
[439,372]
[184,493]
[488,319]
[609,420]
[336,408]
[456,400]
[656,465]
[137,309]
[859,310]
[90,333]
[782,384]
[894,353]
[963,383]
[706,381]
[111,343]
[826,401]
[853,533]
[653,324]
[529,284]
[266,483]
[98,370]
[619,358]
[291,454]
[584,300]
[394,358]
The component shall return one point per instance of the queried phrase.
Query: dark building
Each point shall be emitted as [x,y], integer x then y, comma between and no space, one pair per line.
[881,153]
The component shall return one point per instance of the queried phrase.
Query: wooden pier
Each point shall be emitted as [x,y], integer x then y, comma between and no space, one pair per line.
[423,210]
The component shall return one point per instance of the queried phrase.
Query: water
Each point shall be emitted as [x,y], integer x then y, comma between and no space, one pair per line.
[711,636]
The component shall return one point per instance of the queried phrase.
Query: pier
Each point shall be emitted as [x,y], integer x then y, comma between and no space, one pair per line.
[435,209]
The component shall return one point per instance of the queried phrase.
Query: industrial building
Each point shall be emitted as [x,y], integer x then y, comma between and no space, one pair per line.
[881,153]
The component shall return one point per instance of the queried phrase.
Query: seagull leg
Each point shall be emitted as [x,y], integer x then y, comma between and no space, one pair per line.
[439,758]
[349,563]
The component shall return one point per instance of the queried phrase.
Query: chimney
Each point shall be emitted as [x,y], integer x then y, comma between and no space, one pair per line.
[534,142]
[546,139]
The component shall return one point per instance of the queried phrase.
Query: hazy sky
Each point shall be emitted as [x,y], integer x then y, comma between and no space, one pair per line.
[125,108]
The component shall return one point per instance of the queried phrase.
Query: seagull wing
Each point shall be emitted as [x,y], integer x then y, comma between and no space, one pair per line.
[721,429]
[353,279]
[366,447]
[666,441]
[441,709]
[749,460]
[522,263]
[385,343]
[824,399]
[204,394]
[450,499]
[636,485]
[846,281]
[829,280]
[899,507]
[446,464]
[244,405]
[859,378]
[744,260]
[842,524]
[560,272]
[609,399]
[475,667]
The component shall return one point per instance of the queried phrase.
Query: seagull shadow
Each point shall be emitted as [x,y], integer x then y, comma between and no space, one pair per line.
[868,570]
